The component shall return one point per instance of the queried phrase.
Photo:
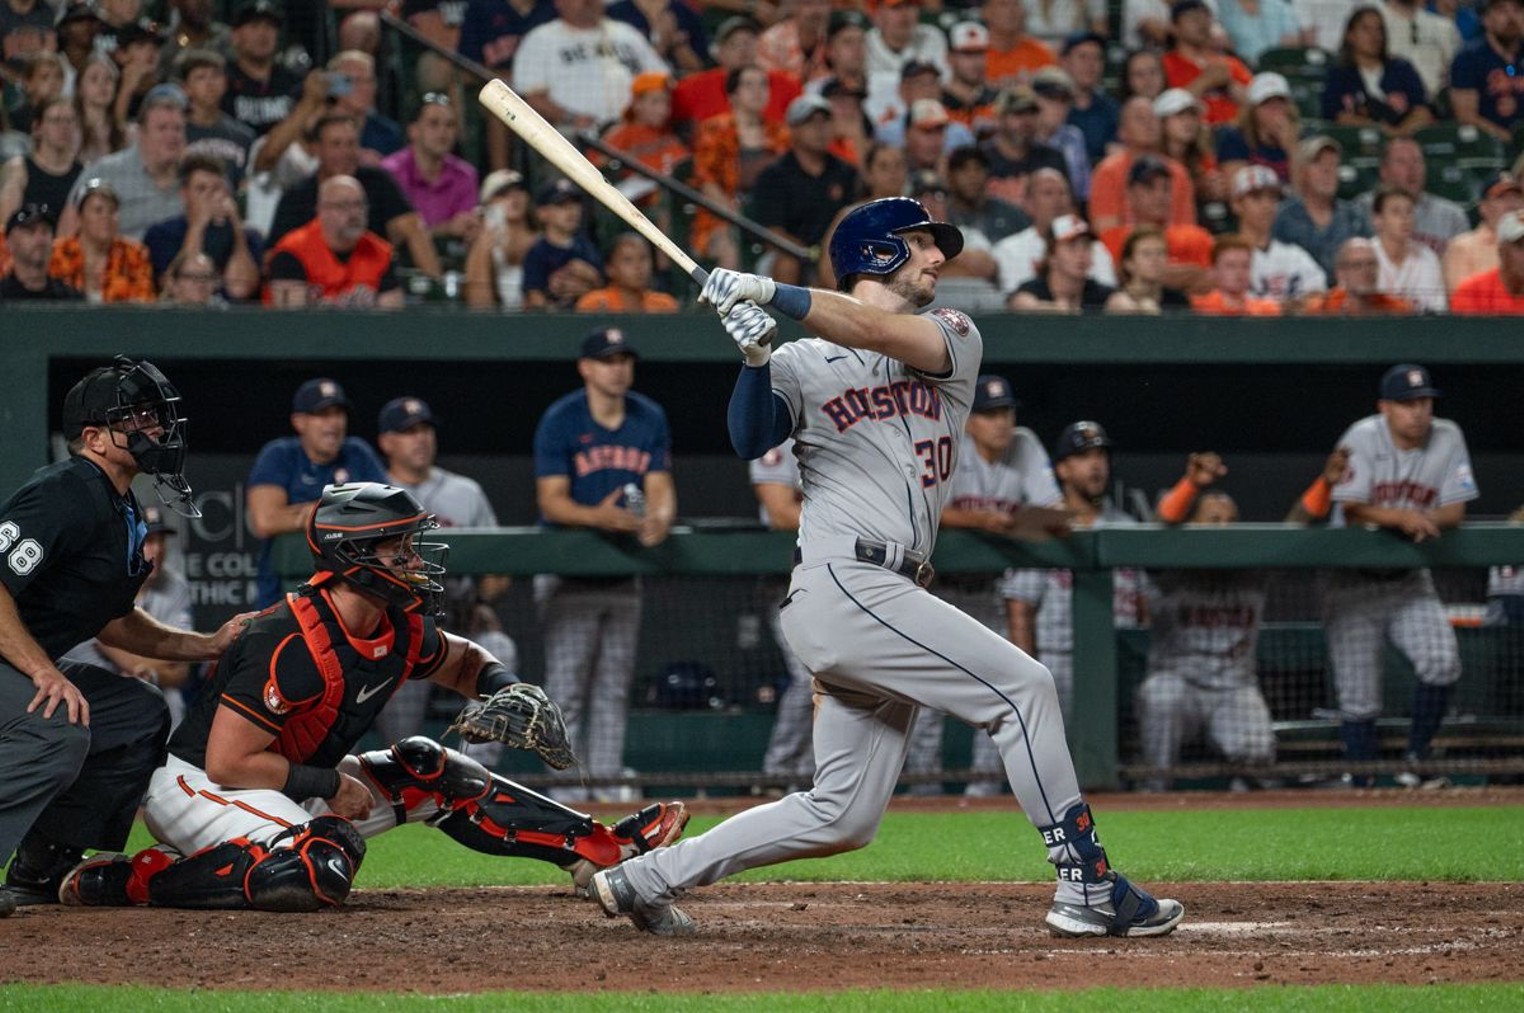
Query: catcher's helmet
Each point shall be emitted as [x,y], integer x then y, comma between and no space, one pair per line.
[136,402]
[350,524]
[1079,437]
[868,241]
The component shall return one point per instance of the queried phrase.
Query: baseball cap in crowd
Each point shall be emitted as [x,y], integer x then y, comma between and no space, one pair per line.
[915,68]
[1511,228]
[1079,39]
[928,114]
[256,10]
[962,155]
[96,185]
[606,342]
[1145,169]
[1269,85]
[1053,83]
[1016,99]
[649,81]
[557,191]
[968,37]
[805,106]
[1174,101]
[1405,382]
[317,395]
[153,517]
[141,30]
[1312,147]
[731,25]
[1180,8]
[924,181]
[1079,437]
[1255,177]
[1066,227]
[835,86]
[30,214]
[993,392]
[403,413]
[842,20]
[500,180]
[167,94]
[77,10]
[1499,183]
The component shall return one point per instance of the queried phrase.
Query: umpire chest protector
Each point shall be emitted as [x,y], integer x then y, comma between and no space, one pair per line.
[355,687]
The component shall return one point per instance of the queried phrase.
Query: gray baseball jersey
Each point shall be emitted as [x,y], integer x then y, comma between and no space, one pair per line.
[1018,477]
[1204,625]
[1382,475]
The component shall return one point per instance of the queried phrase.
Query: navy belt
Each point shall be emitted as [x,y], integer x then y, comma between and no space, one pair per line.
[913,565]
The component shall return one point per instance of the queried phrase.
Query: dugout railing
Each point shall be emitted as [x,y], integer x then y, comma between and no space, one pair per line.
[716,743]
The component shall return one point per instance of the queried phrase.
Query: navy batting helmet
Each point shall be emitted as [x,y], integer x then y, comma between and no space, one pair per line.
[350,525]
[1079,437]
[868,240]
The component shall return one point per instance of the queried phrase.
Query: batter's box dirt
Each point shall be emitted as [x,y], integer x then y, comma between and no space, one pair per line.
[757,937]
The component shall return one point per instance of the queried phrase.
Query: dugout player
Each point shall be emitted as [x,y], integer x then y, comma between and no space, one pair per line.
[1411,473]
[78,742]
[591,448]
[877,410]
[260,803]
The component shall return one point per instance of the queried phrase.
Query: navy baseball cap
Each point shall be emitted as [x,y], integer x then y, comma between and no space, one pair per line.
[403,413]
[256,10]
[606,342]
[1146,169]
[992,393]
[1078,39]
[1407,381]
[30,214]
[1183,7]
[319,394]
[1079,437]
[558,191]
[153,516]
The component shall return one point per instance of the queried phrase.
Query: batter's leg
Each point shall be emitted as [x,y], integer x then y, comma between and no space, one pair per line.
[788,747]
[1060,665]
[608,704]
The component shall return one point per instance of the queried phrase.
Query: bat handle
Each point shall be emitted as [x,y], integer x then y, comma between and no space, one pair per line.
[699,275]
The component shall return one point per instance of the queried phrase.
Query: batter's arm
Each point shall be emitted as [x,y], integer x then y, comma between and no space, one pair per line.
[916,341]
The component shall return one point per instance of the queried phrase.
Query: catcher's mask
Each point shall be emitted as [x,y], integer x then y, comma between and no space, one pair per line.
[138,405]
[368,534]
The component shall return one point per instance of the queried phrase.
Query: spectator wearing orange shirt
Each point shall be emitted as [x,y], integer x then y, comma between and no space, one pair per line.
[1221,82]
[645,132]
[1014,56]
[628,267]
[1357,274]
[99,261]
[1141,134]
[1149,197]
[967,93]
[1473,252]
[1500,291]
[1232,260]
[700,96]
[729,152]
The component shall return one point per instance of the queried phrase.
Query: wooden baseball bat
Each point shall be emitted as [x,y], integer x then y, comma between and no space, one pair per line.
[506,104]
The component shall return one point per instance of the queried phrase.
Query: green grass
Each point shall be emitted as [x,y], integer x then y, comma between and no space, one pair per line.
[1272,844]
[1269,999]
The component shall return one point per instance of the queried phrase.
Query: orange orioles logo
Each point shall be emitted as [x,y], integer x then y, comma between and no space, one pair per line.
[274,702]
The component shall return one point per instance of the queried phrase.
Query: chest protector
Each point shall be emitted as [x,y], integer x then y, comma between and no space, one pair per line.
[310,730]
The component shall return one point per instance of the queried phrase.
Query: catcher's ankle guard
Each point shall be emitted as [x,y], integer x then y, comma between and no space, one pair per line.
[315,870]
[1074,849]
[418,768]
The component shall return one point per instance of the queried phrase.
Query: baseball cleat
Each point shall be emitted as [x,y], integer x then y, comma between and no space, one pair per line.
[617,897]
[98,881]
[1132,911]
[655,826]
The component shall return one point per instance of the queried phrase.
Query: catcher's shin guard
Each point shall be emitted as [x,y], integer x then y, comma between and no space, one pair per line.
[315,870]
[510,819]
[418,769]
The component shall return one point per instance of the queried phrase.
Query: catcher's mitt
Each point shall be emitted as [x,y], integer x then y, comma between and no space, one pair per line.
[520,716]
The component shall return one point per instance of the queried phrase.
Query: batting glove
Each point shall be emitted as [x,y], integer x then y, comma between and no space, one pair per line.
[750,327]
[726,288]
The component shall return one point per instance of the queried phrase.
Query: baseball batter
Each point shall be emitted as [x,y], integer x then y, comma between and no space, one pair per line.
[775,481]
[876,407]
[1410,472]
[1002,467]
[260,803]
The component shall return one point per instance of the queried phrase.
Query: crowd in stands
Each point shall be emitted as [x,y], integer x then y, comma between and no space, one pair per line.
[1254,157]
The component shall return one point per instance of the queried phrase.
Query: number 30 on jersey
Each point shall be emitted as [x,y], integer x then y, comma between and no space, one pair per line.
[936,460]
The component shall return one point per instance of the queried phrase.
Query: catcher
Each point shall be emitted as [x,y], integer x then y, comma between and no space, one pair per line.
[260,803]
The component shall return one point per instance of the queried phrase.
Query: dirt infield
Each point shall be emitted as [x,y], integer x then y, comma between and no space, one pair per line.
[802,936]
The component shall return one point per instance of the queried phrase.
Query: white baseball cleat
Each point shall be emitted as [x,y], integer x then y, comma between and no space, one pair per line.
[617,897]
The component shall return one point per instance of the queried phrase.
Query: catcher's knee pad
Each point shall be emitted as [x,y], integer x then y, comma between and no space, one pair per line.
[419,769]
[1074,849]
[509,819]
[315,870]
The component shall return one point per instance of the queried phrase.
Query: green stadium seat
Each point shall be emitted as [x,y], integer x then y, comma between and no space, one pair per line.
[1452,182]
[1360,144]
[1462,145]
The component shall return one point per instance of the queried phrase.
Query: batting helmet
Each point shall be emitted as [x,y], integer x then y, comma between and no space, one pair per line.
[133,399]
[1079,437]
[349,526]
[868,240]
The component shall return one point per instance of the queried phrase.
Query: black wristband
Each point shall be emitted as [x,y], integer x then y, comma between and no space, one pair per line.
[304,782]
[493,676]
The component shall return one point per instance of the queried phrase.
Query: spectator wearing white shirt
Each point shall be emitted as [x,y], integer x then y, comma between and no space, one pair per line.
[1053,21]
[578,69]
[1322,21]
[898,37]
[1280,271]
[1407,267]
[1047,197]
[1146,23]
[1428,41]
[1436,220]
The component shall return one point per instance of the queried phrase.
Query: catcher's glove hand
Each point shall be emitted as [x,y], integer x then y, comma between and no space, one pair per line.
[520,716]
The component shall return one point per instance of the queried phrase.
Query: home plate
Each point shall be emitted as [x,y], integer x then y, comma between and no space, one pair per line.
[1231,928]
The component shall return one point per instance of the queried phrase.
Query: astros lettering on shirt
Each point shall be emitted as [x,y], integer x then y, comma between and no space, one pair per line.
[596,460]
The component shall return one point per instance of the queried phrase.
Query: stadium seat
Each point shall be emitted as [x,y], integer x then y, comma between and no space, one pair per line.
[1462,145]
[1305,69]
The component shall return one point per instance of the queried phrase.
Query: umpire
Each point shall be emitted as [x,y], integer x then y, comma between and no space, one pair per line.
[78,743]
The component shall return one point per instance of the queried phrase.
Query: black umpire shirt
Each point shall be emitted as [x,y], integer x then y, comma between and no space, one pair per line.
[298,205]
[71,553]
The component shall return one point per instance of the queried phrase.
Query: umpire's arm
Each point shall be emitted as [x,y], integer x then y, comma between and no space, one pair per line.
[23,653]
[142,634]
